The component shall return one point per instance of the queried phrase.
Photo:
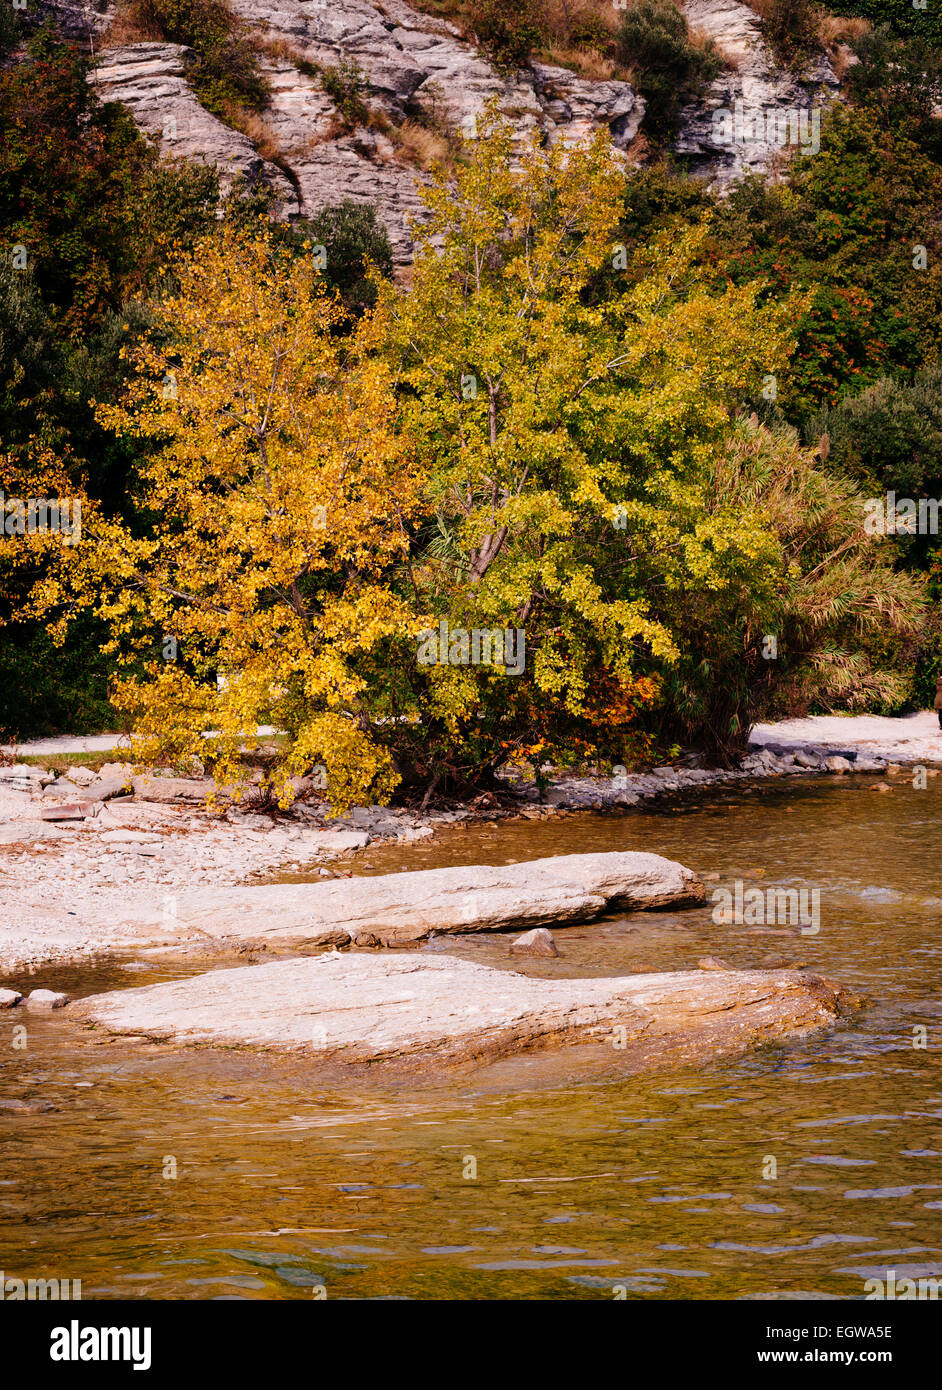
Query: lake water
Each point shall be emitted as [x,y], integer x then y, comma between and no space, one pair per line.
[586,1179]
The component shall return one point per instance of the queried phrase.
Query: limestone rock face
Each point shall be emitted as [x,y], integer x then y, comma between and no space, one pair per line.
[756,91]
[150,80]
[433,1009]
[412,63]
[415,64]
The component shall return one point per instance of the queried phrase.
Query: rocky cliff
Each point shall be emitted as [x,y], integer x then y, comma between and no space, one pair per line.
[419,66]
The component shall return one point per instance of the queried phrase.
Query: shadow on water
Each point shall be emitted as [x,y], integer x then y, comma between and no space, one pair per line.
[800,1168]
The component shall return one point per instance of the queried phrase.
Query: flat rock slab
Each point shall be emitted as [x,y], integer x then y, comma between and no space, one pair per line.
[359,1008]
[397,909]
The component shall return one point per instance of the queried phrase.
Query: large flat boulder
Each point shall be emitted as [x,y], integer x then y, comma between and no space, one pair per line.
[433,1008]
[398,909]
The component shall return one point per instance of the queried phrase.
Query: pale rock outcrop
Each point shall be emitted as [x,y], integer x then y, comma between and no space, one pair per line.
[399,909]
[150,80]
[412,64]
[758,83]
[416,64]
[434,1009]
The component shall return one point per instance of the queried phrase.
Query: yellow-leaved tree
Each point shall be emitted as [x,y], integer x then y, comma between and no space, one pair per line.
[271,497]
[566,414]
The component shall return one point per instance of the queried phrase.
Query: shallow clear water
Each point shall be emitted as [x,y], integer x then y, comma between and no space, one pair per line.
[585,1178]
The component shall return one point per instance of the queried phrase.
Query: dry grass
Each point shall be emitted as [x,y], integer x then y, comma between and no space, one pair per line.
[833,30]
[585,62]
[836,34]
[259,130]
[278,49]
[128,27]
[419,146]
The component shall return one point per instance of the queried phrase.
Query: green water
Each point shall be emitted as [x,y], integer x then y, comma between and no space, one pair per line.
[585,1180]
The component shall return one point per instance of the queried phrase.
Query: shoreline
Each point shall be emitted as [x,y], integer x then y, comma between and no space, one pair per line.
[92,879]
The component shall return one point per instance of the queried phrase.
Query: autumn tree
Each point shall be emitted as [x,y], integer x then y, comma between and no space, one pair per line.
[564,441]
[271,488]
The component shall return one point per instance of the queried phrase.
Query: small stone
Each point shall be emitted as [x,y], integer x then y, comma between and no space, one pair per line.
[27,1107]
[81,776]
[538,942]
[9,998]
[880,787]
[838,764]
[713,963]
[44,999]
[124,770]
[108,787]
[805,759]
[710,878]
[77,810]
[63,786]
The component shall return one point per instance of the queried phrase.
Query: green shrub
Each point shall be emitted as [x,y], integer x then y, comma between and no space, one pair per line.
[890,434]
[901,78]
[900,15]
[225,72]
[345,85]
[509,30]
[653,39]
[351,233]
[790,26]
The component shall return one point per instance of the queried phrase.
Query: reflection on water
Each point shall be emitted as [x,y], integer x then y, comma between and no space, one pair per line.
[583,1183]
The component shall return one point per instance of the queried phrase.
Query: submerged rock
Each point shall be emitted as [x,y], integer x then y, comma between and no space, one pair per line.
[538,942]
[434,1008]
[45,999]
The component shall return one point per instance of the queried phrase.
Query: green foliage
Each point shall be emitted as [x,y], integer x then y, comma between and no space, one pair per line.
[890,438]
[345,85]
[509,30]
[353,238]
[900,78]
[653,39]
[901,15]
[790,26]
[846,226]
[225,72]
[842,617]
[890,435]
[83,192]
[48,689]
